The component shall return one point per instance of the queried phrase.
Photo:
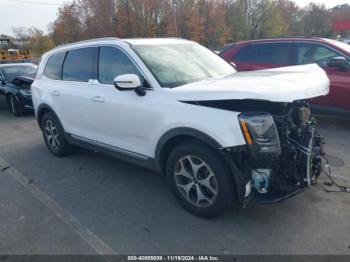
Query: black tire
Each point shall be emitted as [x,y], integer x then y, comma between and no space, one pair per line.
[214,204]
[15,105]
[55,139]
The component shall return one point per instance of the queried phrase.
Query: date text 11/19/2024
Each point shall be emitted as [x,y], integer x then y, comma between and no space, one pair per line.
[173,258]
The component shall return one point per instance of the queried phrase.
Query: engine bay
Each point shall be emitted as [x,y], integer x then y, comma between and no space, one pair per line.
[272,174]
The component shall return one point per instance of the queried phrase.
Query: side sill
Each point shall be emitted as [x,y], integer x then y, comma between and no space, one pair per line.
[115,152]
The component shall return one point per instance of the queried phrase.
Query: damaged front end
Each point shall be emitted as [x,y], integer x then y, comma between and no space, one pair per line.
[283,152]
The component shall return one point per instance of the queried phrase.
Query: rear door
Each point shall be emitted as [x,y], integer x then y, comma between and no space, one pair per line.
[263,56]
[339,96]
[71,93]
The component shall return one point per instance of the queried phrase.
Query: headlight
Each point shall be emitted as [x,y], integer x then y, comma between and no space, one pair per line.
[261,134]
[25,92]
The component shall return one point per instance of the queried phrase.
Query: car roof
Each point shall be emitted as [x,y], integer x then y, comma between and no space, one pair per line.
[129,41]
[156,41]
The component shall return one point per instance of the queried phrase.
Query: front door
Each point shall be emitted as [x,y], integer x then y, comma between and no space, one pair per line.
[122,118]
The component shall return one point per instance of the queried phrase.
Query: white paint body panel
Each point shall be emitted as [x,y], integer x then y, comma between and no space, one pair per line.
[124,120]
[286,84]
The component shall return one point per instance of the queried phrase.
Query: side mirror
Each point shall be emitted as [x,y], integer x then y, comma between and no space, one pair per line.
[129,82]
[339,62]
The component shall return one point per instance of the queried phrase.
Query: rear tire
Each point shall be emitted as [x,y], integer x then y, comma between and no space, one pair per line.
[15,106]
[201,179]
[54,136]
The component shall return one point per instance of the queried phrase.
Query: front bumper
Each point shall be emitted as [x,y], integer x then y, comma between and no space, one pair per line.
[29,104]
[270,198]
[26,101]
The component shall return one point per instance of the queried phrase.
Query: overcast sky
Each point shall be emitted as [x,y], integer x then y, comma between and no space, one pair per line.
[39,13]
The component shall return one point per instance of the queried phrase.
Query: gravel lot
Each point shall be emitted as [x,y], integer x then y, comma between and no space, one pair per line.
[89,203]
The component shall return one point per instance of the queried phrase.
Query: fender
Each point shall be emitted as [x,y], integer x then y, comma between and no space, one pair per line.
[182,131]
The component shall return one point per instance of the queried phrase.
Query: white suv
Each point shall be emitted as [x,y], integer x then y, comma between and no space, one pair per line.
[174,106]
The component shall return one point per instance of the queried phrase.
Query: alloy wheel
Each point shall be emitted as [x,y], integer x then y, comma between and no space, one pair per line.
[196,181]
[51,134]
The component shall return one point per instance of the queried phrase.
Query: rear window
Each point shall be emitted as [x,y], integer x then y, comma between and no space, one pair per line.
[245,54]
[272,53]
[54,66]
[78,65]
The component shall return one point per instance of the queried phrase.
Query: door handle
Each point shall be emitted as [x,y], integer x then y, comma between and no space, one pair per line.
[98,99]
[55,93]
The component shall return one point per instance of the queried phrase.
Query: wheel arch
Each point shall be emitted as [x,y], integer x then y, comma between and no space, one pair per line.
[176,136]
[42,110]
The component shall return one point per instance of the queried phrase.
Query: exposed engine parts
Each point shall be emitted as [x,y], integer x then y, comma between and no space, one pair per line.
[284,151]
[261,180]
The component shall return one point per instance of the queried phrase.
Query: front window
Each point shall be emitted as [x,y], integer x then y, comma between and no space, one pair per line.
[11,72]
[339,44]
[180,64]
[112,63]
[314,53]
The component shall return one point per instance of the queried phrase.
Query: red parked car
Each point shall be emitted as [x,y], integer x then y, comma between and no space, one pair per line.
[333,56]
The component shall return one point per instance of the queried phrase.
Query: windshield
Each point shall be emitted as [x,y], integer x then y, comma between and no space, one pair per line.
[176,65]
[341,45]
[11,72]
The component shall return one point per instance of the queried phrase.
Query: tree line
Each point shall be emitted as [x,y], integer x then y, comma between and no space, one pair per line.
[213,23]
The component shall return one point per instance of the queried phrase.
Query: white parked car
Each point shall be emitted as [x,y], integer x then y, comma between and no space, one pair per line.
[176,107]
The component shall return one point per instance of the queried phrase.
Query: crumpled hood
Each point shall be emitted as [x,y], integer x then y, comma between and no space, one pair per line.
[286,84]
[22,82]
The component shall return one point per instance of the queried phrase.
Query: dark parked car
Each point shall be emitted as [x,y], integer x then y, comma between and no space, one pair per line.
[15,82]
[333,56]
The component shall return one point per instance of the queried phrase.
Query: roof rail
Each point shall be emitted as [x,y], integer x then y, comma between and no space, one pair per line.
[87,41]
[282,37]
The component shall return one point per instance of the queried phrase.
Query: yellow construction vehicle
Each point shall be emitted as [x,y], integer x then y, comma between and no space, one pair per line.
[3,55]
[12,55]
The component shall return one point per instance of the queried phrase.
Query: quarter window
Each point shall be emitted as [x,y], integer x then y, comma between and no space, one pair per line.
[78,65]
[112,63]
[54,66]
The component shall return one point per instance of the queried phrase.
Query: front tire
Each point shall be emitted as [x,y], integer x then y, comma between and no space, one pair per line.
[54,135]
[200,179]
